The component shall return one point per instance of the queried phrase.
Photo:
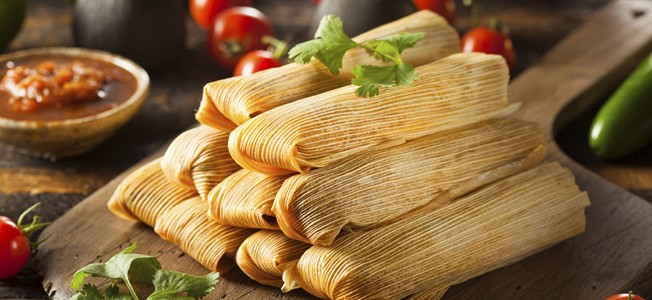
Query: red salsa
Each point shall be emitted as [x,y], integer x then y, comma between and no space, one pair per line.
[59,87]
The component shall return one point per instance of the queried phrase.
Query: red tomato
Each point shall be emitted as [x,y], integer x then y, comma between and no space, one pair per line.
[625,296]
[255,61]
[204,11]
[14,248]
[235,32]
[482,39]
[445,8]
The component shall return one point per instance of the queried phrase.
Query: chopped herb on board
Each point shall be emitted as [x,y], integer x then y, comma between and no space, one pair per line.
[126,268]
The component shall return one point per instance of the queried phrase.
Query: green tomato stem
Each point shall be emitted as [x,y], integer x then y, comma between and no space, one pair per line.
[477,11]
[29,229]
[277,47]
[493,22]
[27,211]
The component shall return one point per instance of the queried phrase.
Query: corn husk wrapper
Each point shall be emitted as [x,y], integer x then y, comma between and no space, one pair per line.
[245,199]
[146,194]
[452,92]
[187,225]
[377,186]
[430,294]
[490,228]
[199,159]
[264,256]
[230,102]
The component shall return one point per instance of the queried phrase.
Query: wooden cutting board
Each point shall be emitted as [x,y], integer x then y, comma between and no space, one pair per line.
[613,255]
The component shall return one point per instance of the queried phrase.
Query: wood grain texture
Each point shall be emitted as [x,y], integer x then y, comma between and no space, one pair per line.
[612,256]
[633,173]
[37,181]
[55,265]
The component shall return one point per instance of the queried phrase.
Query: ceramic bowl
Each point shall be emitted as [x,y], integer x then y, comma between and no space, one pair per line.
[57,139]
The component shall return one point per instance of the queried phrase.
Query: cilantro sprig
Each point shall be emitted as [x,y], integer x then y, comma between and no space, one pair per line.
[331,43]
[92,292]
[127,267]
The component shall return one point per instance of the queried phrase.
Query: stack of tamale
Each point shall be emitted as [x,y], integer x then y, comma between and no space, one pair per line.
[400,196]
[231,102]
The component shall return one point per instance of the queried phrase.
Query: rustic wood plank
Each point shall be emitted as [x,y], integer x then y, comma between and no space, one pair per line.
[39,181]
[169,110]
[633,173]
[535,27]
[612,256]
[174,96]
[57,261]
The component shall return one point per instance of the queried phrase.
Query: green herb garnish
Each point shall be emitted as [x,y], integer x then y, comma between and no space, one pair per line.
[126,267]
[91,292]
[170,284]
[331,43]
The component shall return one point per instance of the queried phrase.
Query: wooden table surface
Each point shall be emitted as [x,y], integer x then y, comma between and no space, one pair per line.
[535,27]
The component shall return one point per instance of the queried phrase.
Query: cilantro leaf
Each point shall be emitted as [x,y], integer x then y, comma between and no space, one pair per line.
[383,50]
[331,43]
[303,52]
[390,48]
[405,74]
[403,41]
[124,265]
[113,293]
[180,286]
[329,46]
[87,291]
[91,292]
[371,78]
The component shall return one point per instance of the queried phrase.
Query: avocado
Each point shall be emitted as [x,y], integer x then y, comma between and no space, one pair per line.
[150,32]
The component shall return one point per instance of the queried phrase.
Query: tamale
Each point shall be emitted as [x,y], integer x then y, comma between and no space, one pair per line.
[187,225]
[245,199]
[431,294]
[146,194]
[230,102]
[264,255]
[492,227]
[377,186]
[199,159]
[452,92]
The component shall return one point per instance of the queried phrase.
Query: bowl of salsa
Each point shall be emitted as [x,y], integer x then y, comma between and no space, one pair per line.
[59,102]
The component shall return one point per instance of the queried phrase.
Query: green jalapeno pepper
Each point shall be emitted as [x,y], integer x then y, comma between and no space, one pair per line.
[623,125]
